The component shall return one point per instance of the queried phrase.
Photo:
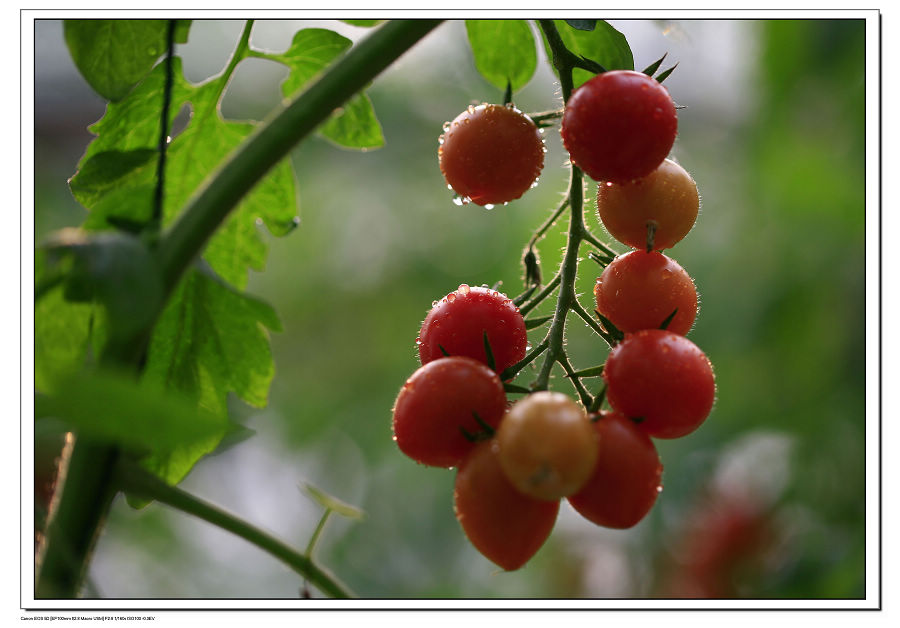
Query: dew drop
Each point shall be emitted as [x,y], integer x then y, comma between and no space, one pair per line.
[446,127]
[441,142]
[471,108]
[463,289]
[489,206]
[434,303]
[451,297]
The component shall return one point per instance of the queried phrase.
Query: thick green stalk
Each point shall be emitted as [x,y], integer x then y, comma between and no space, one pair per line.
[562,59]
[140,483]
[87,494]
[271,142]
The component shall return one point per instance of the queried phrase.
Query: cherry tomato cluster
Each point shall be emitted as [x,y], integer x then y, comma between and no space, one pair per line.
[517,460]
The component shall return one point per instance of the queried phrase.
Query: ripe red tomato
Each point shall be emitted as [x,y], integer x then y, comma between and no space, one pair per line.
[627,476]
[491,154]
[437,401]
[619,126]
[459,321]
[506,526]
[667,198]
[661,378]
[639,290]
[546,445]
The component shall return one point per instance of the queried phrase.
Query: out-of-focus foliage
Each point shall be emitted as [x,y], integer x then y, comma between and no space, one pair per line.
[778,258]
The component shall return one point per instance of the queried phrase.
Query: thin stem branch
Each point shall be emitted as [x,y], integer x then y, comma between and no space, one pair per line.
[540,296]
[516,368]
[585,396]
[317,533]
[587,318]
[590,237]
[138,482]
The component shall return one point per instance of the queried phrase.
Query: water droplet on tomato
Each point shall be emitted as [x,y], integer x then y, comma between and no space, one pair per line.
[451,297]
[463,289]
[489,206]
[446,126]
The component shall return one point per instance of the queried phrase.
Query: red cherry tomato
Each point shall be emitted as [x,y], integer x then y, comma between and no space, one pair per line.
[619,126]
[438,400]
[491,154]
[666,198]
[506,526]
[546,445]
[459,321]
[626,478]
[639,290]
[661,379]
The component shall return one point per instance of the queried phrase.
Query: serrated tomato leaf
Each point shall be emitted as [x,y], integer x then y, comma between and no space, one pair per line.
[504,51]
[352,126]
[129,131]
[113,55]
[211,340]
[603,45]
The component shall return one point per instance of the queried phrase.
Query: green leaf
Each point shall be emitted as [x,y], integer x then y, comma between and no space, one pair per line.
[62,338]
[331,503]
[364,23]
[604,45]
[582,25]
[113,55]
[352,126]
[120,410]
[504,51]
[129,131]
[210,340]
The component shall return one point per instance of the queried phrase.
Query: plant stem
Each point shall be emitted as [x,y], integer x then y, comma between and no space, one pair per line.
[139,482]
[272,140]
[564,61]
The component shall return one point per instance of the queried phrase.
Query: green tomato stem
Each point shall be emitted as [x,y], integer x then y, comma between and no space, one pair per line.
[138,482]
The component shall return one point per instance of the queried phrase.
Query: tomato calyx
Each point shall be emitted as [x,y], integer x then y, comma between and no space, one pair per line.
[485,433]
[668,319]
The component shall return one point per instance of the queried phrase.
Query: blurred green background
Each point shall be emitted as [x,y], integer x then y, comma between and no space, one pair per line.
[766,500]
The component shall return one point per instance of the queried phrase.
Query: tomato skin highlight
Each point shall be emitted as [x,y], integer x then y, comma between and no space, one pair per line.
[439,399]
[459,321]
[667,197]
[619,126]
[662,379]
[546,445]
[507,527]
[627,477]
[491,154]
[639,290]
